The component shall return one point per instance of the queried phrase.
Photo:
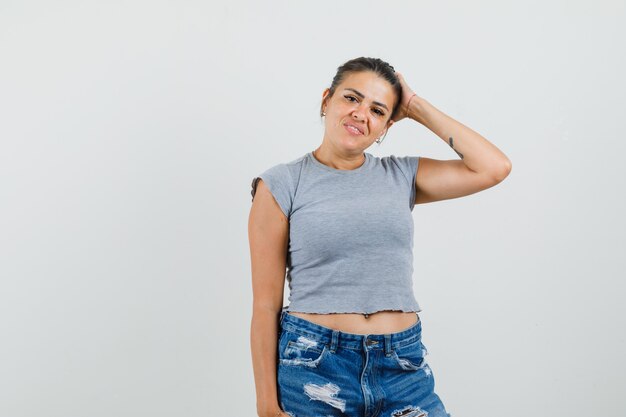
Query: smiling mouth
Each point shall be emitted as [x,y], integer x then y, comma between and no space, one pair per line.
[352,130]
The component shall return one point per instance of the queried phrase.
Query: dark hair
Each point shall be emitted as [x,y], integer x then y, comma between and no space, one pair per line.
[377,66]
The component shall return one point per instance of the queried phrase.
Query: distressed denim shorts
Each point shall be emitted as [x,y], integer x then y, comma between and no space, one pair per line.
[325,372]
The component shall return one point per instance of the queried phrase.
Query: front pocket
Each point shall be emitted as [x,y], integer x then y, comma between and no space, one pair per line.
[410,357]
[300,350]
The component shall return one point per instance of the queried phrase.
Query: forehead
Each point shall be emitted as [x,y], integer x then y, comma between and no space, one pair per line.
[372,86]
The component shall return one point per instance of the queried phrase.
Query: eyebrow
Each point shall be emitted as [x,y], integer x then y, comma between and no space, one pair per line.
[358,93]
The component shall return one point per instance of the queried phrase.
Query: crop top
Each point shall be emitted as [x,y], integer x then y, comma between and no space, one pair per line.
[350,233]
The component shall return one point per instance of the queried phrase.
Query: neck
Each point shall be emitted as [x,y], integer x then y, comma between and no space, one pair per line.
[339,162]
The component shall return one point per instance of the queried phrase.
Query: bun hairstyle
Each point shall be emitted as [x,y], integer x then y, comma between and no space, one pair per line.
[375,65]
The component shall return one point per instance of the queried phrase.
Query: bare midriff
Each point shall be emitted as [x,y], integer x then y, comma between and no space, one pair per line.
[381,322]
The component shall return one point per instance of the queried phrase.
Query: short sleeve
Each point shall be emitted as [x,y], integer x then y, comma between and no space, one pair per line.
[278,181]
[408,165]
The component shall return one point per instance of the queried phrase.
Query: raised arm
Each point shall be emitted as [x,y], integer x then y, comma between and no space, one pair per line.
[268,233]
[481,165]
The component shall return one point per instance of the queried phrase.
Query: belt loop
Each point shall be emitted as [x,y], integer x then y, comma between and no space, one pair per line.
[387,345]
[334,341]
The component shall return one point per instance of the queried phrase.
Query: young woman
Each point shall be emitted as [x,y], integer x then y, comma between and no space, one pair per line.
[339,221]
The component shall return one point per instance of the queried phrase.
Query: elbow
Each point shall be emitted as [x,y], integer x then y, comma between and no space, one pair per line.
[500,174]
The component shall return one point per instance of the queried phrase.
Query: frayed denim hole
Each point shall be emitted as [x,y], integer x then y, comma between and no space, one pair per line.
[308,359]
[301,348]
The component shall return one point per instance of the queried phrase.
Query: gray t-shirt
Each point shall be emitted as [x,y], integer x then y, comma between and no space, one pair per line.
[350,233]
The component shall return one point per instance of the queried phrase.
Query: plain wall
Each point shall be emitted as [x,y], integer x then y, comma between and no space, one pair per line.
[130,133]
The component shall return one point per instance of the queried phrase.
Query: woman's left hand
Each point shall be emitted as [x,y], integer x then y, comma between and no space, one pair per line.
[407,93]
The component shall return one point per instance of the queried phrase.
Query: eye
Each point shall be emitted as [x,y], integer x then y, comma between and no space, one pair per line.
[350,98]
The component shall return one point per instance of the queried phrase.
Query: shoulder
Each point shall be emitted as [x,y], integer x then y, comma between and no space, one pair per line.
[285,172]
[281,180]
[406,164]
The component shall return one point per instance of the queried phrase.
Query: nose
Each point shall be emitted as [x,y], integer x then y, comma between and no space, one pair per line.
[357,114]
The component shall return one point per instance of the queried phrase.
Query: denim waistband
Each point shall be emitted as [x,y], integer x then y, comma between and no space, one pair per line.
[330,336]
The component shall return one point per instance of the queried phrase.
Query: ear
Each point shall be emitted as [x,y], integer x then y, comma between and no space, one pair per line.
[389,124]
[324,95]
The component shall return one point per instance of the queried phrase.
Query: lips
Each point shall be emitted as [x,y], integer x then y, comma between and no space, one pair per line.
[350,127]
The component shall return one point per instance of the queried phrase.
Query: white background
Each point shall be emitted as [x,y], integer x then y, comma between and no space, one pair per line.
[130,133]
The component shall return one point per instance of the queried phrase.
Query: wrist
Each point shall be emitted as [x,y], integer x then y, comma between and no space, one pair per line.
[275,411]
[416,108]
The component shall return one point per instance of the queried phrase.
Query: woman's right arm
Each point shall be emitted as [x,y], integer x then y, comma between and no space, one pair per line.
[268,233]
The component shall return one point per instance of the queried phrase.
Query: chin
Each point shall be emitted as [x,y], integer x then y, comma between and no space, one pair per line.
[351,145]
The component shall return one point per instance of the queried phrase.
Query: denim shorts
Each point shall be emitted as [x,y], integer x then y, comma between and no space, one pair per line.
[325,372]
